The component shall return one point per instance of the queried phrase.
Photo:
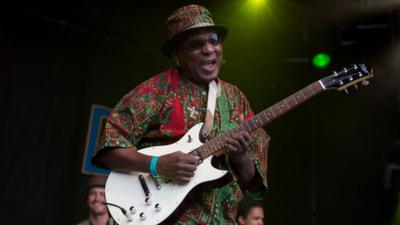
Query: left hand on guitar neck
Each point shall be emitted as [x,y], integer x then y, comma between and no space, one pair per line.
[236,147]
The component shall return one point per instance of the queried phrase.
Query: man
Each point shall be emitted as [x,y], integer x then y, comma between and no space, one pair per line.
[250,213]
[162,109]
[94,199]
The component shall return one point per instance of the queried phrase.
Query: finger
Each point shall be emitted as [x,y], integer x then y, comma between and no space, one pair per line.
[241,140]
[245,139]
[240,143]
[233,140]
[193,160]
[190,167]
[186,167]
[183,173]
[182,180]
[231,148]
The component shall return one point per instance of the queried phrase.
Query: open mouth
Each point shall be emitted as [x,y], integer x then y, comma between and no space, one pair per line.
[208,65]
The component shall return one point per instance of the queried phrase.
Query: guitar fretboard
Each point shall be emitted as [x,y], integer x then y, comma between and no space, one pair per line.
[263,118]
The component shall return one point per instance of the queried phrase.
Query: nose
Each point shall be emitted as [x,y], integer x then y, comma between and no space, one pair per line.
[208,48]
[100,197]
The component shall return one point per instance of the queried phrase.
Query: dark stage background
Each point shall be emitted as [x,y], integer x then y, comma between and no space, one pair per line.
[327,158]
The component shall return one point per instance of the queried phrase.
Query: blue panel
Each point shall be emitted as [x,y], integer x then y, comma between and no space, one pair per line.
[97,121]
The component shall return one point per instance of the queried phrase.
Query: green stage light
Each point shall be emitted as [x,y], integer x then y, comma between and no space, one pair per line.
[321,60]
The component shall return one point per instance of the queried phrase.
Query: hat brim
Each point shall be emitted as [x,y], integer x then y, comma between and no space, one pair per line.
[170,44]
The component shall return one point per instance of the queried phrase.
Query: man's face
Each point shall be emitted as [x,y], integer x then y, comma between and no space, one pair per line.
[255,217]
[95,201]
[200,56]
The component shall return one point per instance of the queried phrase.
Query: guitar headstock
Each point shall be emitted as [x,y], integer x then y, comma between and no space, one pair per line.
[350,76]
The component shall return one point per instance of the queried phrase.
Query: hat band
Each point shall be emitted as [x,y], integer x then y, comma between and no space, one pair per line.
[199,25]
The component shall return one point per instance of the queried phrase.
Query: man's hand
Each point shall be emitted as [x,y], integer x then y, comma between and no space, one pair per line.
[237,144]
[178,166]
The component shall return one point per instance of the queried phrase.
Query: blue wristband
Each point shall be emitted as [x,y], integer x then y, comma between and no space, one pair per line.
[153,166]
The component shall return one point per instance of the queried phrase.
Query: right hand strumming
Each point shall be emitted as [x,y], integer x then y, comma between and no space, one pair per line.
[177,166]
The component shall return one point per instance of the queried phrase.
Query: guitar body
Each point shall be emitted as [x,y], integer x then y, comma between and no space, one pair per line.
[125,189]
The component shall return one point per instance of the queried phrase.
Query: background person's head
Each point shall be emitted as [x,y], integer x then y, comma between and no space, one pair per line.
[195,43]
[250,213]
[94,195]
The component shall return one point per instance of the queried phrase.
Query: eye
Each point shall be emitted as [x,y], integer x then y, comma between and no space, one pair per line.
[196,44]
[214,39]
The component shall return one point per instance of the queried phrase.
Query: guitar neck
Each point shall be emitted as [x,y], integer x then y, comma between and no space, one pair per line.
[263,118]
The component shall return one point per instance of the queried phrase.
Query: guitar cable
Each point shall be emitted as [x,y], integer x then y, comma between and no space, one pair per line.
[124,211]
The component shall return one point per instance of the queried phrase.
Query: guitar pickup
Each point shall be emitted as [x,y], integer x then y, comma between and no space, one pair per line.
[144,185]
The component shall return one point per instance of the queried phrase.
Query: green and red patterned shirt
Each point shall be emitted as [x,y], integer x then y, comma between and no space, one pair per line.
[161,110]
[87,222]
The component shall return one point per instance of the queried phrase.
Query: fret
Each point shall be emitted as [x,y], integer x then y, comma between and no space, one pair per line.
[200,152]
[221,144]
[274,107]
[215,146]
[266,119]
[292,101]
[312,90]
[247,124]
[257,121]
[302,92]
[194,153]
[203,151]
[307,93]
[282,107]
[273,114]
[298,96]
[252,123]
[285,101]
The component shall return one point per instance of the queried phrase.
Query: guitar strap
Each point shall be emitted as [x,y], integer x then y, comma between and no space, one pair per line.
[214,90]
[226,124]
[223,107]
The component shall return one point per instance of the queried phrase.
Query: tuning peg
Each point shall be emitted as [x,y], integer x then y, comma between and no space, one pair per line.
[356,87]
[365,82]
[335,73]
[347,91]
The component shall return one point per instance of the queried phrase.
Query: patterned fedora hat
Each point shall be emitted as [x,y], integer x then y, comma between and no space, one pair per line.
[187,19]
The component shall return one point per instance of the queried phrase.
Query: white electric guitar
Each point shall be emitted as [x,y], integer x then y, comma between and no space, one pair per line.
[139,198]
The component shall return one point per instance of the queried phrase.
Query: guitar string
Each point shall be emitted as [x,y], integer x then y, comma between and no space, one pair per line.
[218,141]
[290,101]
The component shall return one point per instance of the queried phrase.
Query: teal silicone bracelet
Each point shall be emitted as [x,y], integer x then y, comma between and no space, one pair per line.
[153,166]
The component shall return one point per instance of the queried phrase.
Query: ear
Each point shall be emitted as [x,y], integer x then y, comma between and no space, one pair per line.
[174,54]
[241,220]
[175,57]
